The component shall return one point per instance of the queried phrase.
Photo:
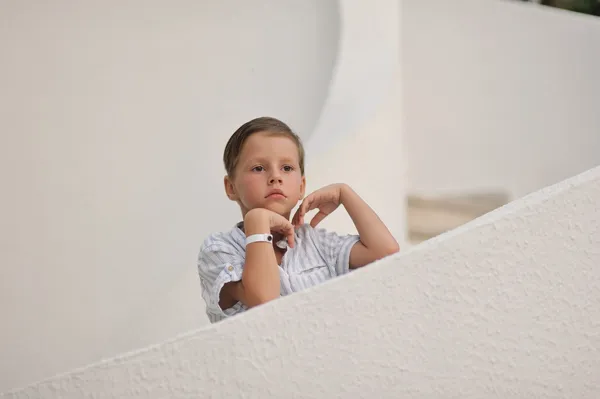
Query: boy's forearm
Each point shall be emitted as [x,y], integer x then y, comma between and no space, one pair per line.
[373,233]
[260,277]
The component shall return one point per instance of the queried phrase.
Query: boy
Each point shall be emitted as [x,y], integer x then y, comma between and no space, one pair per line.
[266,256]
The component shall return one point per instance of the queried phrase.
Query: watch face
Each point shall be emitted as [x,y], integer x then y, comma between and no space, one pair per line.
[270,238]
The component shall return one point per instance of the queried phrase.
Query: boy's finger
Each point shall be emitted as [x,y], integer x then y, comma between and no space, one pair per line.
[295,218]
[304,207]
[290,235]
[317,219]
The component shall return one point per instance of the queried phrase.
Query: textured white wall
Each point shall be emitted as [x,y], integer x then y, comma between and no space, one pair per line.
[114,117]
[498,94]
[505,306]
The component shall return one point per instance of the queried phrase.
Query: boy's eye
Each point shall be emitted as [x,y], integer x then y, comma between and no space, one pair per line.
[288,168]
[258,169]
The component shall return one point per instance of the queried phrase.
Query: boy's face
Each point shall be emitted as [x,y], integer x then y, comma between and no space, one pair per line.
[267,175]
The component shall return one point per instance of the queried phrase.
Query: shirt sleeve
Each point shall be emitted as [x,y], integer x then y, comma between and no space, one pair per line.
[218,264]
[336,248]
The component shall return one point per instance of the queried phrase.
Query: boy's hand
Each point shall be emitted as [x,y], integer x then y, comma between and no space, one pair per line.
[325,199]
[260,221]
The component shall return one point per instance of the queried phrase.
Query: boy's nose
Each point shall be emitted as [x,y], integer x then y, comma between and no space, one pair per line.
[276,178]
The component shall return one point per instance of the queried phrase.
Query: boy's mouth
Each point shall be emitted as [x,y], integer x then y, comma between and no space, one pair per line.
[275,194]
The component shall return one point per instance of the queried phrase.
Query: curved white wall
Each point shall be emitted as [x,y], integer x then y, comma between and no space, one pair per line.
[498,94]
[115,120]
[364,75]
[114,117]
[358,138]
[505,306]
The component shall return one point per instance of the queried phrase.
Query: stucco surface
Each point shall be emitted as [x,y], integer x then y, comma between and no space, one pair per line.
[505,306]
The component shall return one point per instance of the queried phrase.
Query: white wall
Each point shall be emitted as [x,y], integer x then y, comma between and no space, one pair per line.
[358,138]
[505,306]
[113,122]
[498,94]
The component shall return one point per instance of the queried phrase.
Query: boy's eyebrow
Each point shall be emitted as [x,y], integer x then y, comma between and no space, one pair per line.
[265,160]
[255,160]
[289,160]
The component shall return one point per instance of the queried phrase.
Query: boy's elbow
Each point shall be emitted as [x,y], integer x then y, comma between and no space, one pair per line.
[256,300]
[255,296]
[389,250]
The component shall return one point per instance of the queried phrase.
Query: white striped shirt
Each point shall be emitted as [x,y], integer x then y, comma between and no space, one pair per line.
[318,255]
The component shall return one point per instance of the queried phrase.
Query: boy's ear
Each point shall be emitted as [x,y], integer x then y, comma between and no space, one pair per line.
[230,188]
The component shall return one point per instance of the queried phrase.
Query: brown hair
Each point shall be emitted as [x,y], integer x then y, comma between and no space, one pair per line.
[264,124]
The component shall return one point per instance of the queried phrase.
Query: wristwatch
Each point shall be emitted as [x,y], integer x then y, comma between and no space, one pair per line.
[259,238]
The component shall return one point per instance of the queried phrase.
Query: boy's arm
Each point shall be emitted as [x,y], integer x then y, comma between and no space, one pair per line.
[260,277]
[376,241]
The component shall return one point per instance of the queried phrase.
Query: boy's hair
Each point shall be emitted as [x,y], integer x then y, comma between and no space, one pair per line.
[264,124]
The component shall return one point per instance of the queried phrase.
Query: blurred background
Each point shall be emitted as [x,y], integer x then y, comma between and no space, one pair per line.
[498,101]
[114,116]
[591,7]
